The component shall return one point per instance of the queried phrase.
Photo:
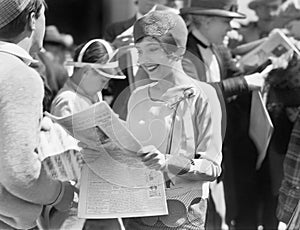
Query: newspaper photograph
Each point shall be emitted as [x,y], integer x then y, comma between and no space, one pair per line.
[114,181]
[274,46]
[98,125]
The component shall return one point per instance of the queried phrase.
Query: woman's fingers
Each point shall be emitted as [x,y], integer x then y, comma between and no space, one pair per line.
[82,145]
[149,156]
[146,149]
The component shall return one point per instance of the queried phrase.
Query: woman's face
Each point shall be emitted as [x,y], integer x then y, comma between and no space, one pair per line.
[153,59]
[294,28]
[93,82]
[266,12]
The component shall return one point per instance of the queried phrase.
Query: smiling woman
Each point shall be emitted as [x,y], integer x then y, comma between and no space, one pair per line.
[153,58]
[179,122]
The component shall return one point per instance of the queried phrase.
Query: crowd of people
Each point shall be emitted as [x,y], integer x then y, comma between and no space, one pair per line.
[178,65]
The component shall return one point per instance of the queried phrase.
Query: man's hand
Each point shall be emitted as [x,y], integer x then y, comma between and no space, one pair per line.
[46,124]
[281,226]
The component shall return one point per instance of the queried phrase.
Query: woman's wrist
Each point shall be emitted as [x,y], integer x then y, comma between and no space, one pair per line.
[177,165]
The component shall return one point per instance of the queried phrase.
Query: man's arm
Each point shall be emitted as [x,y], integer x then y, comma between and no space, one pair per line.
[20,113]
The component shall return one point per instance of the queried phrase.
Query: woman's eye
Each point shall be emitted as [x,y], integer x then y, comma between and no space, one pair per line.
[153,49]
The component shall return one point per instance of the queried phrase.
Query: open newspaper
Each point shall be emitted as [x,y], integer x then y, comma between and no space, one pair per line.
[274,46]
[114,181]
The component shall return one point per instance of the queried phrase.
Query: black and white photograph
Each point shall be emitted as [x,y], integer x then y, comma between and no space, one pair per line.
[150,114]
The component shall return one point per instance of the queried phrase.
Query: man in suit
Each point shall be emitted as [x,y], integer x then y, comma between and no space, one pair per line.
[209,24]
[208,60]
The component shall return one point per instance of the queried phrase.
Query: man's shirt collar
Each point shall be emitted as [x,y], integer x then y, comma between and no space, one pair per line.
[14,49]
[200,37]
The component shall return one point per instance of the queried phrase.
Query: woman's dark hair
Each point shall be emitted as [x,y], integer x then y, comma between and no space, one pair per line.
[17,26]
[95,52]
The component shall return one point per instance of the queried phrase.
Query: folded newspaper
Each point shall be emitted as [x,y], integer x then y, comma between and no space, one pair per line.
[114,181]
[59,153]
[261,127]
[274,46]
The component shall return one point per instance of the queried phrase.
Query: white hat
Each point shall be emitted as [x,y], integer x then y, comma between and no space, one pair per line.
[98,66]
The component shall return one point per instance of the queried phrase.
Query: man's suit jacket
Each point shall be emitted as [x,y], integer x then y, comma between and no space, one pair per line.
[193,62]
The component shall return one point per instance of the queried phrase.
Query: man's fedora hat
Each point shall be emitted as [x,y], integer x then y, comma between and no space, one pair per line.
[52,35]
[257,3]
[221,8]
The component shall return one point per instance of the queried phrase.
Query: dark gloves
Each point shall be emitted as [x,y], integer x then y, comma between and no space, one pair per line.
[65,198]
[54,215]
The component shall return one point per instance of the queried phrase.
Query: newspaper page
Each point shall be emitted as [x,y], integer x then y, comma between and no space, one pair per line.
[59,153]
[274,46]
[114,181]
[261,127]
[55,141]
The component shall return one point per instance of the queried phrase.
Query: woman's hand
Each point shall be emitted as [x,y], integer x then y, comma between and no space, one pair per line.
[152,157]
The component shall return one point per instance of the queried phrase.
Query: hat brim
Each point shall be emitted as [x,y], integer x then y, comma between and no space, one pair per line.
[97,67]
[110,76]
[212,12]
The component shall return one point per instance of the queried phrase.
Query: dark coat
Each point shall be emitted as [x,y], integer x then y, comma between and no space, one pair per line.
[115,29]
[194,56]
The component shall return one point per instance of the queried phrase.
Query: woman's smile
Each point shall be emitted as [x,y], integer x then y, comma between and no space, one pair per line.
[151,67]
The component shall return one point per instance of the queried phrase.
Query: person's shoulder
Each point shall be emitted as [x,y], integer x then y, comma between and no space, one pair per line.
[63,103]
[141,90]
[18,74]
[65,95]
[205,91]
